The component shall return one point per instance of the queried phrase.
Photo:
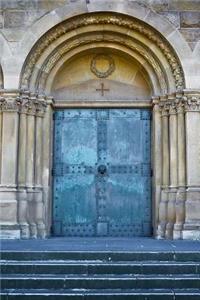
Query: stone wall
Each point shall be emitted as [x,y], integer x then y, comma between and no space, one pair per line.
[17,15]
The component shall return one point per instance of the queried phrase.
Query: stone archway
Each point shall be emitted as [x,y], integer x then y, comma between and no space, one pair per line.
[146,46]
[117,32]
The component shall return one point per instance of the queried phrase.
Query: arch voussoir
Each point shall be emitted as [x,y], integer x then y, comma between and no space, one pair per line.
[102,20]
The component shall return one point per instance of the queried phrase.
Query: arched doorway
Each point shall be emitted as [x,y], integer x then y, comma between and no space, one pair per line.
[105,61]
[102,155]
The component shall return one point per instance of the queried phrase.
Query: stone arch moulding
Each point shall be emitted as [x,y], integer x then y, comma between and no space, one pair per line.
[1,78]
[135,35]
[170,103]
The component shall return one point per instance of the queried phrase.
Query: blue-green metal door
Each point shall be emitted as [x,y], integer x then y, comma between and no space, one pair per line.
[102,173]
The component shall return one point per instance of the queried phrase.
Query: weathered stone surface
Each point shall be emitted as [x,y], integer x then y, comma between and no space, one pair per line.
[192,36]
[182,5]
[14,19]
[32,4]
[158,5]
[173,17]
[190,19]
[1,20]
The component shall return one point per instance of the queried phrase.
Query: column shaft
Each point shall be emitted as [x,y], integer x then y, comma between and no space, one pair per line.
[180,197]
[157,162]
[22,194]
[39,206]
[173,171]
[165,175]
[30,172]
[47,164]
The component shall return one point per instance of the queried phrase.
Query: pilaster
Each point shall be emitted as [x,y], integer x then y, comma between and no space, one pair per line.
[192,210]
[9,148]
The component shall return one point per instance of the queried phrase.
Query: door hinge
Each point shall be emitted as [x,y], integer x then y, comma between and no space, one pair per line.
[151,172]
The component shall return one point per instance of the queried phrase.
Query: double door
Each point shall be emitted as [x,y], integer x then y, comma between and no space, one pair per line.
[102,172]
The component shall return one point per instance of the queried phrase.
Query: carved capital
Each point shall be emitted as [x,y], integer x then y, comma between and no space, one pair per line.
[191,101]
[40,107]
[164,108]
[9,101]
[155,103]
[23,103]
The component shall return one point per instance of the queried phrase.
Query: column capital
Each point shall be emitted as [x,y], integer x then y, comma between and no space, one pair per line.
[180,102]
[164,108]
[9,100]
[41,105]
[191,99]
[22,101]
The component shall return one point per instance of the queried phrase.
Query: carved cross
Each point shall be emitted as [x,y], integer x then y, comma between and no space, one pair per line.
[102,89]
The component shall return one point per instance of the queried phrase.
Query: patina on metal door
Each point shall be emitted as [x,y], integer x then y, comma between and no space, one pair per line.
[102,177]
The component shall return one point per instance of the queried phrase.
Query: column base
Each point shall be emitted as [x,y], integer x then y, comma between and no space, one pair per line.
[191,234]
[9,232]
[178,232]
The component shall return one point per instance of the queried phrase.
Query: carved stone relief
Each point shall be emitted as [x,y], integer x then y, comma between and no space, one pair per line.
[22,103]
[98,67]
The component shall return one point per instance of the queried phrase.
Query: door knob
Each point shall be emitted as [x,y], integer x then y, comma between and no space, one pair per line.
[102,169]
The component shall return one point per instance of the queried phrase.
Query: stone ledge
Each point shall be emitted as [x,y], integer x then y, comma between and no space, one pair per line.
[9,231]
[191,234]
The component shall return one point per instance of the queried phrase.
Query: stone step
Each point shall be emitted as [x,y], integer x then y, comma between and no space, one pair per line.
[102,255]
[139,294]
[96,267]
[100,275]
[100,282]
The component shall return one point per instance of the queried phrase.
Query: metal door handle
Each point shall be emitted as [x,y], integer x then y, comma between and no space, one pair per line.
[102,169]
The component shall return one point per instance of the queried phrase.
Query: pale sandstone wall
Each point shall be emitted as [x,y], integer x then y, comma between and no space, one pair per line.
[17,15]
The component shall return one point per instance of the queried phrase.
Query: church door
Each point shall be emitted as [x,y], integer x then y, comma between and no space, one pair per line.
[102,173]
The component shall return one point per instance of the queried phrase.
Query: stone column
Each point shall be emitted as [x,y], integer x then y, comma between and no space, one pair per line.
[30,163]
[165,170]
[173,145]
[47,163]
[157,160]
[180,197]
[39,205]
[22,161]
[9,146]
[192,209]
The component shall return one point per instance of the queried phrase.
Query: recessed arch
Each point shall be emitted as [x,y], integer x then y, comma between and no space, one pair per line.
[100,48]
[104,28]
[73,79]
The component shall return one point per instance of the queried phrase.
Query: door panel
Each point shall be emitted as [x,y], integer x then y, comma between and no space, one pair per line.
[102,183]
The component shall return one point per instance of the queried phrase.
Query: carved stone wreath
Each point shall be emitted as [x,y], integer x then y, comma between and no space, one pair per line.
[96,70]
